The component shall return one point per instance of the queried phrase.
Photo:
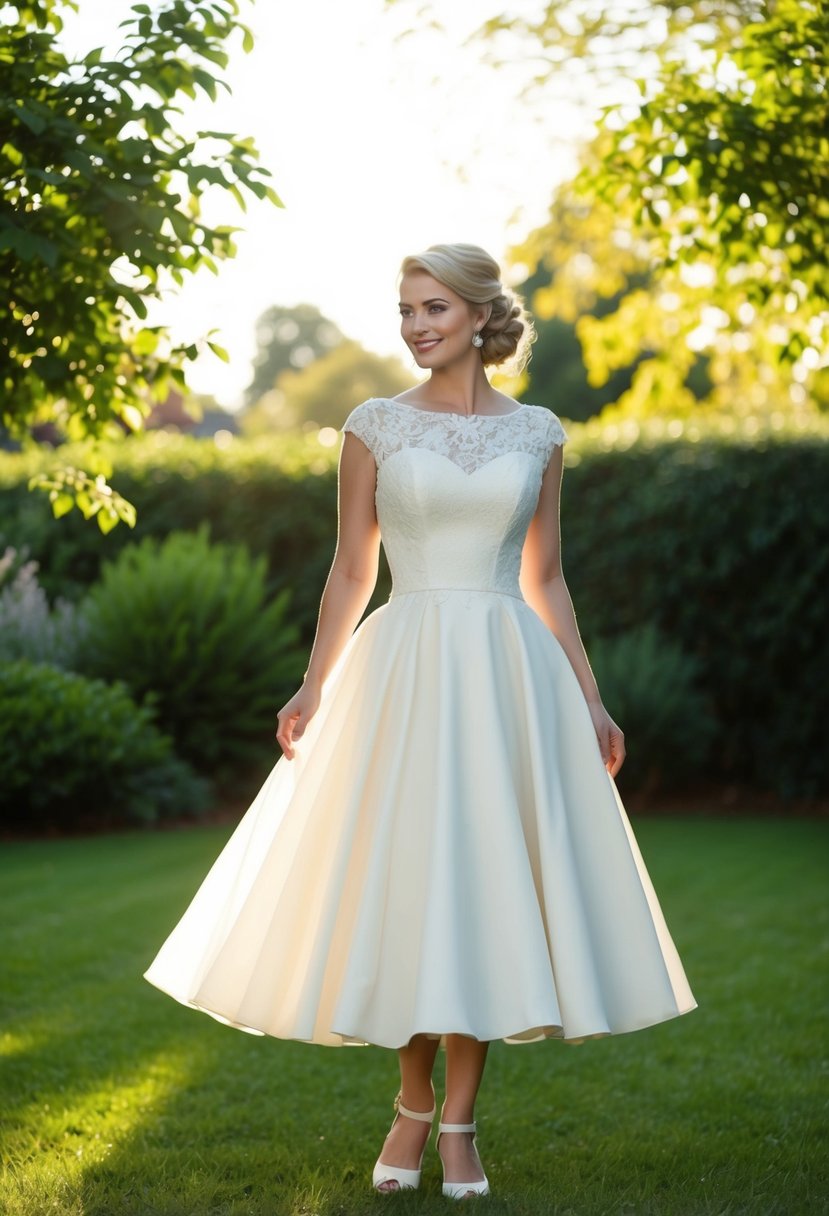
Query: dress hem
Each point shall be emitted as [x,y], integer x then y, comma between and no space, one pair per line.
[533,1034]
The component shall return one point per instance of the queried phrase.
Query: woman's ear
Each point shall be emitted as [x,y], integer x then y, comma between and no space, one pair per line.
[482,317]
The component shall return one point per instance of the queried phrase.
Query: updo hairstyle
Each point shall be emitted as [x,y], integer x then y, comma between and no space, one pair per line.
[476,277]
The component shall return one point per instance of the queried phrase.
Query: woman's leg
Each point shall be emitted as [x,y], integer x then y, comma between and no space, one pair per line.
[403,1146]
[465,1060]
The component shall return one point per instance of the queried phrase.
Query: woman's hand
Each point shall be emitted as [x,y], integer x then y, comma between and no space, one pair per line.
[293,718]
[611,740]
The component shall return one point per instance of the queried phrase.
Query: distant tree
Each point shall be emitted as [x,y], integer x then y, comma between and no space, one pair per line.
[99,211]
[288,339]
[324,391]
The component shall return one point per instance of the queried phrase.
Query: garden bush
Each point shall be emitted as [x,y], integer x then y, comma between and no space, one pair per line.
[650,687]
[80,753]
[29,627]
[715,532]
[187,621]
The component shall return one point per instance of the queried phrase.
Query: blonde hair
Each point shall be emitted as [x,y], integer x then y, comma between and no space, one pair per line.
[476,278]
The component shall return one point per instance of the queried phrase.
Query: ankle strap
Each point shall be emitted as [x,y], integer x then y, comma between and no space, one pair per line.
[422,1117]
[456,1127]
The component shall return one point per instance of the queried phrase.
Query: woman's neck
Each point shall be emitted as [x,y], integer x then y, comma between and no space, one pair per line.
[463,389]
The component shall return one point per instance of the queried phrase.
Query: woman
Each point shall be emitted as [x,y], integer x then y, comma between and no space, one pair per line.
[440,855]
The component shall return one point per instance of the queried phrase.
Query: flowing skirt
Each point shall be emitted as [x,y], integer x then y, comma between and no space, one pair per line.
[446,853]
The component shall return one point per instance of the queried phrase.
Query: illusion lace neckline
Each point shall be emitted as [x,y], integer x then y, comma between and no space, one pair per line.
[451,413]
[386,426]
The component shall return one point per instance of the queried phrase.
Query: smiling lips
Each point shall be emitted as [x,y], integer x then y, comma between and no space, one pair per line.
[426,345]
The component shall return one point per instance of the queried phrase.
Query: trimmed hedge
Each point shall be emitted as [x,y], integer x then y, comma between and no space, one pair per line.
[723,544]
[717,534]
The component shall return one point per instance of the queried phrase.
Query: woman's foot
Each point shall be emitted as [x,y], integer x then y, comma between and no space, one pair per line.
[459,1155]
[403,1148]
[461,1163]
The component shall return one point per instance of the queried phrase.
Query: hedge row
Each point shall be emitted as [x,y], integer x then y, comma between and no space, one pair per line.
[717,535]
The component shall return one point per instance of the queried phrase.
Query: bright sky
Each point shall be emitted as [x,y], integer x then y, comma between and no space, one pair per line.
[379,145]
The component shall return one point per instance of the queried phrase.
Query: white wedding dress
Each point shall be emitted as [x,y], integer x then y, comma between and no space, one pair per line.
[446,852]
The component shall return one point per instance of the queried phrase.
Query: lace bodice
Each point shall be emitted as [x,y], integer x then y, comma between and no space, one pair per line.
[385,426]
[455,493]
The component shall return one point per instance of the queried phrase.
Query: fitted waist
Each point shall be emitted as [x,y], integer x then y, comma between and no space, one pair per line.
[442,594]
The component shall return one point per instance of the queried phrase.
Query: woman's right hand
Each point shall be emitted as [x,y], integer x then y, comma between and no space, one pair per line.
[294,716]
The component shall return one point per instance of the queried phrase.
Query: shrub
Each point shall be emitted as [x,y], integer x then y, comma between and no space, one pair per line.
[188,622]
[29,629]
[80,753]
[650,688]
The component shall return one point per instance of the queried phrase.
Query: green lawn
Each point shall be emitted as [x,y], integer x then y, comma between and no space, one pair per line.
[117,1100]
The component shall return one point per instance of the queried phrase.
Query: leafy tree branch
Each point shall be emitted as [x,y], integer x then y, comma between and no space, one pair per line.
[101,211]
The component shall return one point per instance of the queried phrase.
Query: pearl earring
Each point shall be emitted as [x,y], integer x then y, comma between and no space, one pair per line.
[477,340]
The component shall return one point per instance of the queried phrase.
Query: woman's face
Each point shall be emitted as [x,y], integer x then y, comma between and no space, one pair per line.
[436,324]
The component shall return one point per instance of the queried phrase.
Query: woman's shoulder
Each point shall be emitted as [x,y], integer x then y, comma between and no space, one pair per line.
[548,423]
[369,421]
[362,414]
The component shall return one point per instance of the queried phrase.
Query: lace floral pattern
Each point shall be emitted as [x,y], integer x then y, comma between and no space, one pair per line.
[385,426]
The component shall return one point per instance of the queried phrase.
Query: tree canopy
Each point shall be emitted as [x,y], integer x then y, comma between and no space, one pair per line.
[723,177]
[709,173]
[101,212]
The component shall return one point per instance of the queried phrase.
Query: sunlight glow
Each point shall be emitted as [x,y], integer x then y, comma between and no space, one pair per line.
[379,145]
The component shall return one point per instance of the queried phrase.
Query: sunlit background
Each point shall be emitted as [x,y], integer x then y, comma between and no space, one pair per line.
[384,135]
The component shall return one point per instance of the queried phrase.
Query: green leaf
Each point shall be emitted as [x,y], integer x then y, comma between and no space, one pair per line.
[12,154]
[61,503]
[34,121]
[107,520]
[146,341]
[30,246]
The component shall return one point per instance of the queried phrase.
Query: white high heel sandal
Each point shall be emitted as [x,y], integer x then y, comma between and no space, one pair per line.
[407,1180]
[459,1190]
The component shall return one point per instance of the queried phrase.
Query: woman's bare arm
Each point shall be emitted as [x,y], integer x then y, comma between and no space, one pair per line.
[348,588]
[544,589]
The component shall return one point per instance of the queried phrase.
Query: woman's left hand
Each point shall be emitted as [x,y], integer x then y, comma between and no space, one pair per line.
[610,737]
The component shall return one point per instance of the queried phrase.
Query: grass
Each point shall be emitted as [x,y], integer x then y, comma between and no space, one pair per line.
[116,1100]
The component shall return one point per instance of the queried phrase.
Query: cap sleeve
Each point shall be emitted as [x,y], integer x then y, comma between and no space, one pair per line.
[558,436]
[362,422]
[554,435]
